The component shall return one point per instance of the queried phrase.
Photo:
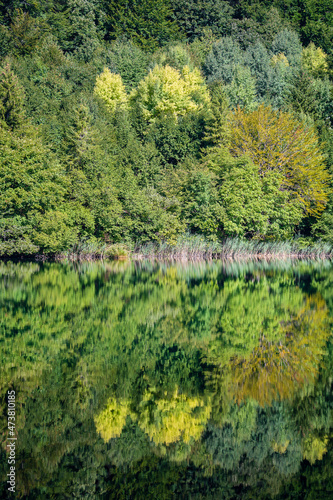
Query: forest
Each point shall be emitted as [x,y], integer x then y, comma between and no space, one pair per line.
[132,122]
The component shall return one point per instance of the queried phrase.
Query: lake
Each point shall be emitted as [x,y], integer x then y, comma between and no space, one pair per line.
[162,381]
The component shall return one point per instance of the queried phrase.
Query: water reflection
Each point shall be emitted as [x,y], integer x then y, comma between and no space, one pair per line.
[190,374]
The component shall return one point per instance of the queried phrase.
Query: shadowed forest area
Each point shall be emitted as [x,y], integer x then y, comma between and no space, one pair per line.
[135,122]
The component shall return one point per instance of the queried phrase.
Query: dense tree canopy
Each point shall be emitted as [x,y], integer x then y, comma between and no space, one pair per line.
[134,99]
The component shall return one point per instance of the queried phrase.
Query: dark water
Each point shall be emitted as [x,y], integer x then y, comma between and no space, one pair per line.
[161,382]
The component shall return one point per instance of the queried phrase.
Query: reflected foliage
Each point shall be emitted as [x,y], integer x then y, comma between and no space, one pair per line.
[133,375]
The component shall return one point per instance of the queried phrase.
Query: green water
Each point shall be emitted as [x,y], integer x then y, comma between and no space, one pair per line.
[146,381]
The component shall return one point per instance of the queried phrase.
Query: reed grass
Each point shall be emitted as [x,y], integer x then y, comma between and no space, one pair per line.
[84,250]
[195,247]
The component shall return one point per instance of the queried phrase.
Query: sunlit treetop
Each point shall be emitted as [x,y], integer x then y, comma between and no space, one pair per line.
[111,421]
[110,88]
[279,60]
[168,92]
[314,60]
[173,417]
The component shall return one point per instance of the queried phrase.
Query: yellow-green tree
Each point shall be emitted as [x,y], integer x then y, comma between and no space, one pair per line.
[109,87]
[111,421]
[173,417]
[279,60]
[314,60]
[314,448]
[168,92]
[277,142]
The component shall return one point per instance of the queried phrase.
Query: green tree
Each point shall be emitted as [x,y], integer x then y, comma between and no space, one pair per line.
[256,22]
[84,38]
[33,209]
[311,97]
[287,42]
[201,46]
[200,204]
[92,192]
[26,32]
[257,59]
[242,90]
[217,130]
[148,23]
[11,98]
[194,17]
[240,194]
[176,55]
[128,60]
[312,19]
[221,62]
[178,141]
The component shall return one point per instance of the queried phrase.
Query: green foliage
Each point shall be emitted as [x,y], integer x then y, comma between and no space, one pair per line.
[272,78]
[312,18]
[221,62]
[128,60]
[217,127]
[253,205]
[201,46]
[311,97]
[33,209]
[130,169]
[193,17]
[176,56]
[11,99]
[279,143]
[178,141]
[288,43]
[147,22]
[242,90]
[201,207]
[26,33]
[240,194]
[257,59]
[256,23]
[84,36]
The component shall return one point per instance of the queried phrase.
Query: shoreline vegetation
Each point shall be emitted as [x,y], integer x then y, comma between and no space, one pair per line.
[190,248]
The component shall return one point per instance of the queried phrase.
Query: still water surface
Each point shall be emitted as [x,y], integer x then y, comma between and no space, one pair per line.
[151,381]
